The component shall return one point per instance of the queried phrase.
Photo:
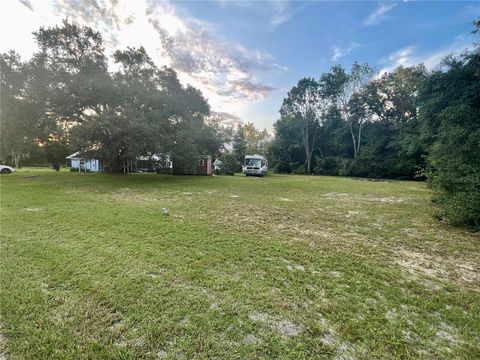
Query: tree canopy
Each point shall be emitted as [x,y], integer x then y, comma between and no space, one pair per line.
[65,99]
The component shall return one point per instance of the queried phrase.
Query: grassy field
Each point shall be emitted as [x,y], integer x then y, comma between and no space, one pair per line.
[281,267]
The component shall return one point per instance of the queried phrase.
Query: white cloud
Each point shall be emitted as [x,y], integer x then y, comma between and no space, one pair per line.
[283,11]
[341,51]
[414,54]
[379,14]
[280,12]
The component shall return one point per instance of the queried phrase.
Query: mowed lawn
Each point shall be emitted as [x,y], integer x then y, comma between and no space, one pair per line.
[281,267]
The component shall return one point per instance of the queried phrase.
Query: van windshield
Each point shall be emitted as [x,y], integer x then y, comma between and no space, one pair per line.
[253,162]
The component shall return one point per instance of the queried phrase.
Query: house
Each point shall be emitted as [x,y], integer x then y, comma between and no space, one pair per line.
[204,167]
[82,162]
[156,162]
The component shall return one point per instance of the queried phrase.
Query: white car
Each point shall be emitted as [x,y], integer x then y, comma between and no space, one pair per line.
[4,169]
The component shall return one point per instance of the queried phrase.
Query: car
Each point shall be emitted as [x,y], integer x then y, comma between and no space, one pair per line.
[4,169]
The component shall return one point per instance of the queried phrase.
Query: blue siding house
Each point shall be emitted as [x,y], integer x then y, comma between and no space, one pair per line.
[82,164]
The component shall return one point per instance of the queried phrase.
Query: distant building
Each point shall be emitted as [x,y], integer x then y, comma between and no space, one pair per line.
[204,167]
[82,162]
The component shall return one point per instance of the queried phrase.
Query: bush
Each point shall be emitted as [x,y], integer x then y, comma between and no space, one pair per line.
[230,163]
[455,176]
[299,170]
[329,165]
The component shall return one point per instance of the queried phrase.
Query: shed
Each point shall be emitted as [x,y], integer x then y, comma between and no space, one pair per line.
[204,167]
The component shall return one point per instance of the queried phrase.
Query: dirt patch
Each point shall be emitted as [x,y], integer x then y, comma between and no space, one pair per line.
[127,195]
[213,302]
[362,198]
[162,354]
[251,339]
[282,326]
[344,350]
[448,334]
[296,267]
[420,264]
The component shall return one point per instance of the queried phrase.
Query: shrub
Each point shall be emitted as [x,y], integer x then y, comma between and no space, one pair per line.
[230,163]
[329,165]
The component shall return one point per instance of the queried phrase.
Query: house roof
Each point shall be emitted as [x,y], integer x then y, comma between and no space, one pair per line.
[74,155]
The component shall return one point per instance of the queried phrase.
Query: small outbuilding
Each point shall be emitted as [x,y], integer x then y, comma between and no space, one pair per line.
[81,162]
[204,167]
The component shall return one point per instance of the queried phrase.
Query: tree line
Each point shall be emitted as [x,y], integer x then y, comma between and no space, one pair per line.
[65,99]
[409,123]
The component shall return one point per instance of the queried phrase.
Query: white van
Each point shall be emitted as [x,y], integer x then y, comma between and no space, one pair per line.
[255,165]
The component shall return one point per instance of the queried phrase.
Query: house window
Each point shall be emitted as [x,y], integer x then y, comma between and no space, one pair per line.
[201,162]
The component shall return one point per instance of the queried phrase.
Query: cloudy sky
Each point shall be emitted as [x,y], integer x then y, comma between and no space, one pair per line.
[246,55]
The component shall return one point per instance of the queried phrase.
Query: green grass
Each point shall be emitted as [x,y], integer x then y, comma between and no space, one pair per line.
[286,267]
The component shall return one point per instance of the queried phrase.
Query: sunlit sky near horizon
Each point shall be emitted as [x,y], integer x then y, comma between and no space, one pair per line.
[246,55]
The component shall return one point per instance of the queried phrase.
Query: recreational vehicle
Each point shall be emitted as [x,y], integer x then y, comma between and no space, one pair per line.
[255,165]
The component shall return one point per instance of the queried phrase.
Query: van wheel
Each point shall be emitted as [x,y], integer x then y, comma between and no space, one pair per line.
[5,171]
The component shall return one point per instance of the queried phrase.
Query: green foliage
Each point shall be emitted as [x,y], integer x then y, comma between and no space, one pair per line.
[304,104]
[230,164]
[56,152]
[450,112]
[329,165]
[20,119]
[66,94]
[256,140]
[239,145]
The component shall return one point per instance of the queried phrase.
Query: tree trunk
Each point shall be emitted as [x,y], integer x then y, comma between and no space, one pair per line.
[353,140]
[359,139]
[306,144]
[321,152]
[16,159]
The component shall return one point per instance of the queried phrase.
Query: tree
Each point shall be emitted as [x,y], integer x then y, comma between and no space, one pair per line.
[286,150]
[65,97]
[230,164]
[15,133]
[392,138]
[450,118]
[344,89]
[148,112]
[73,59]
[305,104]
[256,140]
[22,108]
[239,145]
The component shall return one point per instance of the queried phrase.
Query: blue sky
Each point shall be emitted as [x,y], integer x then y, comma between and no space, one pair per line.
[246,55]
